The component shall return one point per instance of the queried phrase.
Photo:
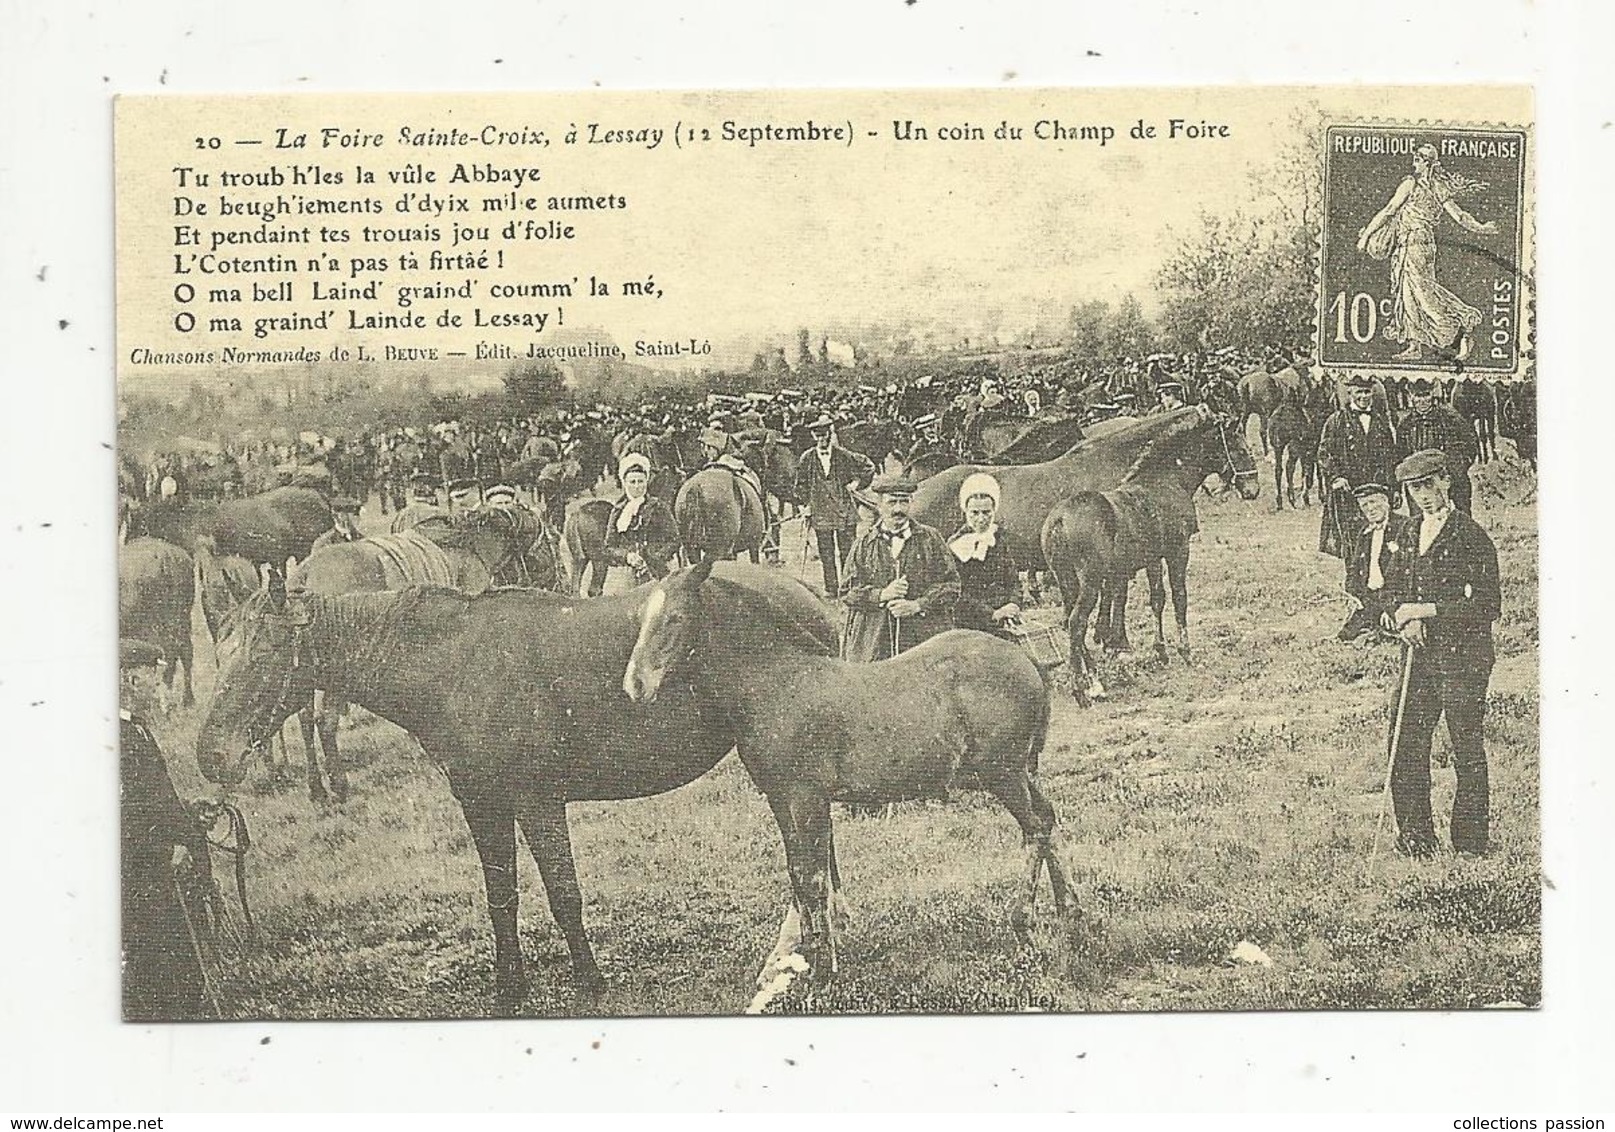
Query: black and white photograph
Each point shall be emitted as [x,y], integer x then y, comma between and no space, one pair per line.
[1082,641]
[872,557]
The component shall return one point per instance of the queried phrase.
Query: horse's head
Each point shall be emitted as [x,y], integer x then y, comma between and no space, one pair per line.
[1238,466]
[265,674]
[670,623]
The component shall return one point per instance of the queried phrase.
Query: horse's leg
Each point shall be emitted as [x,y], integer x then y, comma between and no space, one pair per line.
[1157,606]
[1177,568]
[311,760]
[1012,786]
[494,832]
[1278,482]
[1079,608]
[803,814]
[543,823]
[1116,588]
[1043,810]
[326,721]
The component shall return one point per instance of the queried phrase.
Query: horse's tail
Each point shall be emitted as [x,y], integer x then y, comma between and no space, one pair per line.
[699,528]
[1039,735]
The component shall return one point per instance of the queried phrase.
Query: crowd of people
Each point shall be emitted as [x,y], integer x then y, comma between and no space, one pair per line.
[1419,568]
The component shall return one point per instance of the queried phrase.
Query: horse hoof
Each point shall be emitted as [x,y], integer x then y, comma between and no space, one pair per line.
[589,984]
[318,794]
[1160,653]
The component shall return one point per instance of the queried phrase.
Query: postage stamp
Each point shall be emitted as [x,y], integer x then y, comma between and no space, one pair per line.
[1425,252]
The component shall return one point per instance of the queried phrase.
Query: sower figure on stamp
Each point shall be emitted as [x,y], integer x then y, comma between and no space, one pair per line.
[1446,623]
[1433,424]
[825,479]
[1358,445]
[902,581]
[1379,568]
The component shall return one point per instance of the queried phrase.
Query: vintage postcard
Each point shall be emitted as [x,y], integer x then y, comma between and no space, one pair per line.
[838,552]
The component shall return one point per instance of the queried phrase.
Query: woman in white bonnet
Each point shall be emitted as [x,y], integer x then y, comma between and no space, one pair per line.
[989,579]
[641,534]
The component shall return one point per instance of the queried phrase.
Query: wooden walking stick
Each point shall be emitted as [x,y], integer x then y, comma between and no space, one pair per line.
[1390,754]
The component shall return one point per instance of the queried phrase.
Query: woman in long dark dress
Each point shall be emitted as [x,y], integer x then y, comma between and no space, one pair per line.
[641,535]
[989,578]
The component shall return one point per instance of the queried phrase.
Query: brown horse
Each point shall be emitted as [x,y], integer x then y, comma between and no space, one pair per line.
[524,712]
[466,555]
[1031,491]
[583,544]
[1095,542]
[1295,429]
[156,589]
[720,513]
[1044,440]
[1477,402]
[223,582]
[272,527]
[1517,419]
[812,728]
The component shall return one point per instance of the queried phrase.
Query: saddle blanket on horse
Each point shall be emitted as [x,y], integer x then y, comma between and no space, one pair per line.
[741,472]
[412,559]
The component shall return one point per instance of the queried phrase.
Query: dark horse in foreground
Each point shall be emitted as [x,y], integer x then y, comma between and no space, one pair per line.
[1095,541]
[466,555]
[812,728]
[517,694]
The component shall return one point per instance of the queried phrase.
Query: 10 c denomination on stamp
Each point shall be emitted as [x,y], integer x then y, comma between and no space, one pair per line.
[1424,257]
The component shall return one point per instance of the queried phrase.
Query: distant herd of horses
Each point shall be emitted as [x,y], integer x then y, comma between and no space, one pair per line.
[532,699]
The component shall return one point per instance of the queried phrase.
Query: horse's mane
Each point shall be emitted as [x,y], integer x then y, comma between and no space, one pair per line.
[769,613]
[1167,445]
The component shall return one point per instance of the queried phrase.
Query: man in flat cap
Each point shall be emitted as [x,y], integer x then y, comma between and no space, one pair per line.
[826,475]
[1358,445]
[901,582]
[1446,622]
[1433,424]
[1379,568]
[1169,397]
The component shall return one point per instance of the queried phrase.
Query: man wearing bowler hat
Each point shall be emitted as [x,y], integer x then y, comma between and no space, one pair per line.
[1357,446]
[1433,424]
[901,582]
[826,475]
[1446,625]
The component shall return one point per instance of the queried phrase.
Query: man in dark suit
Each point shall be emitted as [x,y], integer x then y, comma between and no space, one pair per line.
[1447,623]
[1358,445]
[1433,424]
[1379,569]
[902,581]
[826,475]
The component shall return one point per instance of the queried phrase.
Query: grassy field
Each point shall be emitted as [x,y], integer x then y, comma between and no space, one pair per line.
[1231,800]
